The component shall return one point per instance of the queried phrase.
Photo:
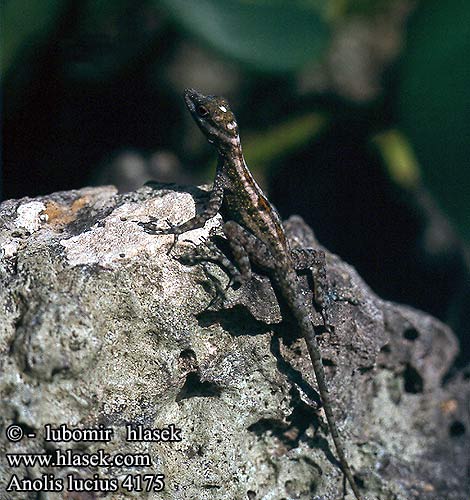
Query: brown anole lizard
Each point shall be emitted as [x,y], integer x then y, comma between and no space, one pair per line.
[255,234]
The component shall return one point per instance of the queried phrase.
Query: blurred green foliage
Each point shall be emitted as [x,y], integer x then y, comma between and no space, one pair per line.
[268,35]
[25,24]
[263,148]
[399,158]
[434,102]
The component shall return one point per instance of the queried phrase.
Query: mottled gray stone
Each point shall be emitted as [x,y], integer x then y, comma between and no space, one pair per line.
[99,325]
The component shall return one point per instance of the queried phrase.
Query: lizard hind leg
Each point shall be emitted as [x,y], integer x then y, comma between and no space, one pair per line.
[210,252]
[313,260]
[247,248]
[206,252]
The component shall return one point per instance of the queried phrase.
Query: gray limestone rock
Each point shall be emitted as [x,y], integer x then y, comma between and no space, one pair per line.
[100,326]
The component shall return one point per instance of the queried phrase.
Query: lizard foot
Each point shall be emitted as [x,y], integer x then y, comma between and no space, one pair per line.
[208,251]
[151,227]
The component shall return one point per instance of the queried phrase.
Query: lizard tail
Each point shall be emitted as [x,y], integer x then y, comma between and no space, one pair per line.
[299,308]
[315,356]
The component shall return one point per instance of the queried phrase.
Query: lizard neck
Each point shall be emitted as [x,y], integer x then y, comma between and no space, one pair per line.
[231,160]
[247,204]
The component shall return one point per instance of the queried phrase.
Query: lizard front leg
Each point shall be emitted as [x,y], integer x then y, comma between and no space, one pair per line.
[210,210]
[244,246]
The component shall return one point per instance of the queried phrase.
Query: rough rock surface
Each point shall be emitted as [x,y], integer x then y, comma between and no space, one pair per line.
[100,326]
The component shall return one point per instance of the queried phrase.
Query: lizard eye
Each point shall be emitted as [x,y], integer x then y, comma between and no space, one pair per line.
[202,111]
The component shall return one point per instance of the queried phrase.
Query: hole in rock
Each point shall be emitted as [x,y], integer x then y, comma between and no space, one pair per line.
[413,380]
[411,334]
[194,387]
[456,429]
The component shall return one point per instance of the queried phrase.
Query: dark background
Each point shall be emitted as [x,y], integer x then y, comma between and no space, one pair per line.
[353,114]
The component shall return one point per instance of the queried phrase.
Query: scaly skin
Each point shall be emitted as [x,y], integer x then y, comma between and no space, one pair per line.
[255,232]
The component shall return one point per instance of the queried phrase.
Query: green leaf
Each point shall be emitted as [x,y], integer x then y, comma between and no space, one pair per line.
[268,35]
[262,148]
[399,158]
[434,103]
[24,22]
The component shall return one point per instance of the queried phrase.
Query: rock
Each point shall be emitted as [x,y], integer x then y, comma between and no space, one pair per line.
[102,329]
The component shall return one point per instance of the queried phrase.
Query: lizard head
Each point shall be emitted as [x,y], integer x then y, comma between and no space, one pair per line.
[214,117]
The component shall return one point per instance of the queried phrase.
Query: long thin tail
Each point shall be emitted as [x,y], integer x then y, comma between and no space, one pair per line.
[315,356]
[300,310]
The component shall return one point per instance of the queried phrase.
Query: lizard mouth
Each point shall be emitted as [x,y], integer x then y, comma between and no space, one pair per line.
[191,98]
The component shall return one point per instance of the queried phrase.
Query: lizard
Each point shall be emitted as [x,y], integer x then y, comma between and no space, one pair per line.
[255,234]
